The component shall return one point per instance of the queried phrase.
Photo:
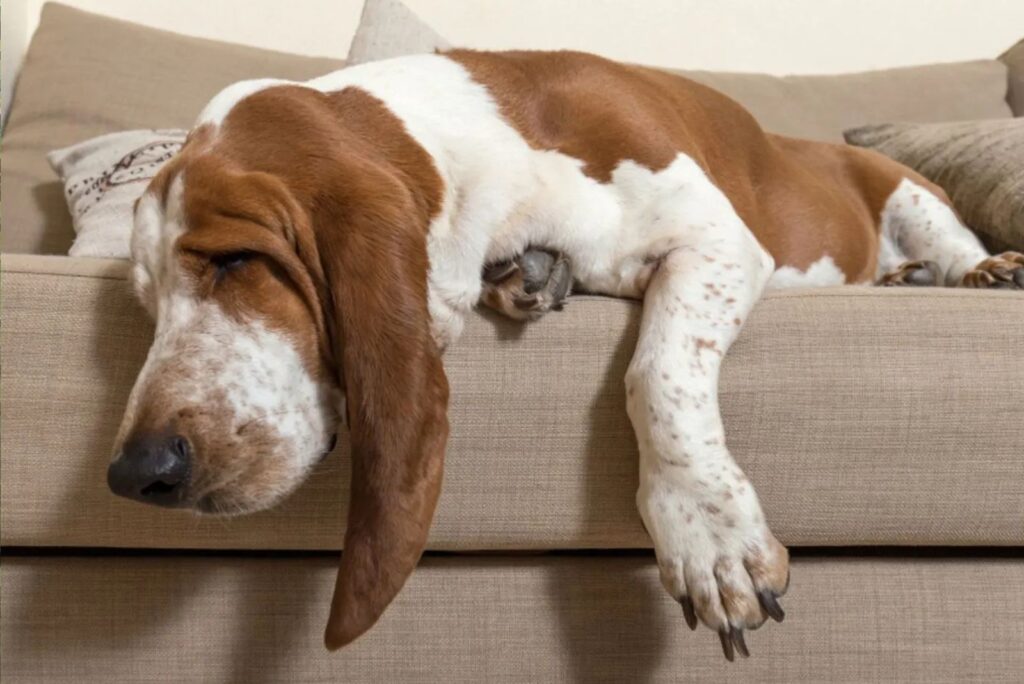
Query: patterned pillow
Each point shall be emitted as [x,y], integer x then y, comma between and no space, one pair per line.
[980,165]
[102,179]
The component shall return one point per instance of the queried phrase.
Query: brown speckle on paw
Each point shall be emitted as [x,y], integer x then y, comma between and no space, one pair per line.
[1002,272]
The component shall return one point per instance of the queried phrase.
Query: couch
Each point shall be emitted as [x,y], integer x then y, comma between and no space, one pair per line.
[884,431]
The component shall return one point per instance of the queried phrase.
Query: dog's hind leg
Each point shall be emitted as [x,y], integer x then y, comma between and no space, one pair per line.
[715,552]
[923,242]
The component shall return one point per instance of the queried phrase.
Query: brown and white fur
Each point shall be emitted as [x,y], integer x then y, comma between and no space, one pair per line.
[327,238]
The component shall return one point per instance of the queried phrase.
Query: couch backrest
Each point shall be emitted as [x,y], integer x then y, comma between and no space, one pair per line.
[1014,61]
[822,107]
[86,75]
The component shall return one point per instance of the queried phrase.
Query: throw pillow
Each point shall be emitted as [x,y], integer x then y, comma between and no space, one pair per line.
[102,179]
[387,28]
[980,165]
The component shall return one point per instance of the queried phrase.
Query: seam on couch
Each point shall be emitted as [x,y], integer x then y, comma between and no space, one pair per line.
[880,552]
[95,276]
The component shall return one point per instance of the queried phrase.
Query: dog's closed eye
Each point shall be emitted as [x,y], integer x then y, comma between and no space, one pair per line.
[230,261]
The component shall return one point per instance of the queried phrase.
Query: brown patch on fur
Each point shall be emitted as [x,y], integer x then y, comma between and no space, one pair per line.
[803,200]
[769,568]
[710,345]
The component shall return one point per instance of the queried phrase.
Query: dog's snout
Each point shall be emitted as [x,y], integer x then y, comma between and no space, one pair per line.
[152,469]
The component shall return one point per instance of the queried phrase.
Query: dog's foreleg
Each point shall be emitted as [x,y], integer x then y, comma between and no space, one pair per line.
[715,552]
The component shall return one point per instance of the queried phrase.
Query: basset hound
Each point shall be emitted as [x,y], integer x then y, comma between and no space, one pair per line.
[315,246]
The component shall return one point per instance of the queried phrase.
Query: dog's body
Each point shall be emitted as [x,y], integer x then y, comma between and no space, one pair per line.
[349,220]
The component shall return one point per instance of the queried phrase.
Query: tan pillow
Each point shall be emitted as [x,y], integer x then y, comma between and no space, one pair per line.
[1014,60]
[387,28]
[103,177]
[980,164]
[86,75]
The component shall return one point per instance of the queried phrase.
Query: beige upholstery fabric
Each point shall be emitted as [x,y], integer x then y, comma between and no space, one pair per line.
[582,619]
[387,28]
[76,83]
[980,164]
[1014,60]
[822,107]
[864,416]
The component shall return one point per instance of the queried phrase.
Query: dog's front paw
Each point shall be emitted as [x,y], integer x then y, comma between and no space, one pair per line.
[526,288]
[718,558]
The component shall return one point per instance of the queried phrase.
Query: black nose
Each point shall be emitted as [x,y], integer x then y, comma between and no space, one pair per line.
[153,469]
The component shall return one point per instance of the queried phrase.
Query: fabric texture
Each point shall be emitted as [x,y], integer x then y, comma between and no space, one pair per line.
[465,619]
[822,107]
[1014,60]
[862,415]
[387,28]
[76,84]
[980,165]
[103,177]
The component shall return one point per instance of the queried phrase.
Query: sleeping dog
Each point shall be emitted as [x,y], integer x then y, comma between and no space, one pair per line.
[315,246]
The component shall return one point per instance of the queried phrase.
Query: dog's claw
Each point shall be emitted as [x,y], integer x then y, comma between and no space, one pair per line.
[770,602]
[725,636]
[689,614]
[499,272]
[737,639]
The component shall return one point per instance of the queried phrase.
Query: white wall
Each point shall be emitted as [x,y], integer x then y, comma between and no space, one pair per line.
[774,36]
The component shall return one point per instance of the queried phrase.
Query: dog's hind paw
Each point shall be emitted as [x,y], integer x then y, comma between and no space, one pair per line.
[527,287]
[914,274]
[1002,272]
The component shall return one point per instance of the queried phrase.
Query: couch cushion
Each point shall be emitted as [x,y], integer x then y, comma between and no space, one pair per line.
[863,416]
[1014,60]
[579,619]
[980,165]
[76,83]
[822,107]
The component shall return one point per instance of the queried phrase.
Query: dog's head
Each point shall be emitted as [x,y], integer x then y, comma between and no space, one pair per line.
[282,255]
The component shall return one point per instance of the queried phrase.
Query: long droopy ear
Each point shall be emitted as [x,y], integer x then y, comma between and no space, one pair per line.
[375,263]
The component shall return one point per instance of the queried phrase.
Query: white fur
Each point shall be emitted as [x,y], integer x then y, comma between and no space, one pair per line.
[918,225]
[699,508]
[822,273]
